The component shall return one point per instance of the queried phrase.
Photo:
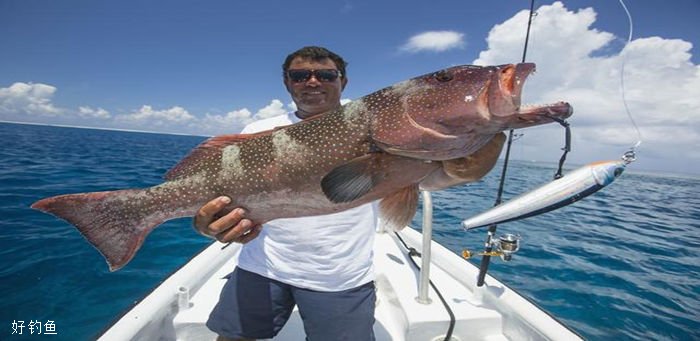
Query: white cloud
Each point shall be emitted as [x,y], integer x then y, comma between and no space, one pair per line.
[436,41]
[275,108]
[231,122]
[28,99]
[661,83]
[21,100]
[146,114]
[234,121]
[88,112]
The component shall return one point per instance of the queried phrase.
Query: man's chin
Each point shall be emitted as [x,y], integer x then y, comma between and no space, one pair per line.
[316,106]
[313,99]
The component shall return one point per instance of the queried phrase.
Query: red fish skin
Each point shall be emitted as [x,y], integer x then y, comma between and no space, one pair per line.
[381,146]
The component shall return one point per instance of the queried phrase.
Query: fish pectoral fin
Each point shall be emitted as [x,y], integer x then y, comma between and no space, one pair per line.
[397,209]
[438,180]
[210,148]
[479,163]
[465,169]
[351,180]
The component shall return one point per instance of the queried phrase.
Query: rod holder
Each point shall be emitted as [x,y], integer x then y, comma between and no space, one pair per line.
[183,298]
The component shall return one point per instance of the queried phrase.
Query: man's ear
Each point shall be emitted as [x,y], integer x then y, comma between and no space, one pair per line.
[286,85]
[343,82]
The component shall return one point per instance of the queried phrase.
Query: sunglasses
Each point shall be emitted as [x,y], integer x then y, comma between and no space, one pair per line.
[303,75]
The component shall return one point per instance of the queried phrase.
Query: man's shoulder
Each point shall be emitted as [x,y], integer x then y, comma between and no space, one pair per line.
[267,123]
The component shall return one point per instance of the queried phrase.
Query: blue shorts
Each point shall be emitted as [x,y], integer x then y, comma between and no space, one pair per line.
[256,307]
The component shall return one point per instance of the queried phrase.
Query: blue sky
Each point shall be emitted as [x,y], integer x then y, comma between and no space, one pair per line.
[209,67]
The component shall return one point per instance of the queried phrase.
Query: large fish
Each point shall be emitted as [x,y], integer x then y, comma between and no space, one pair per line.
[433,131]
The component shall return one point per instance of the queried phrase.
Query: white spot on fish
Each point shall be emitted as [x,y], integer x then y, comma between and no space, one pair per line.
[468,98]
[407,87]
[353,112]
[168,191]
[231,160]
[402,87]
[285,148]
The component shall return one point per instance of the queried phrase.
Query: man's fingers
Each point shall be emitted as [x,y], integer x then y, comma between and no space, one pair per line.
[231,227]
[234,234]
[207,214]
[211,208]
[225,222]
[254,232]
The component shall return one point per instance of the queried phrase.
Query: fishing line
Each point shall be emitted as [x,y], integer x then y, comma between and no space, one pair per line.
[579,180]
[629,155]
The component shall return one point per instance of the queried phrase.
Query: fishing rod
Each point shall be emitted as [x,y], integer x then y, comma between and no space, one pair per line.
[490,244]
[562,191]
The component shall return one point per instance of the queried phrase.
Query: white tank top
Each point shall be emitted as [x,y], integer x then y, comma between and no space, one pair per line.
[326,253]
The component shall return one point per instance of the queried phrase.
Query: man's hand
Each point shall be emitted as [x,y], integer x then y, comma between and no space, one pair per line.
[226,228]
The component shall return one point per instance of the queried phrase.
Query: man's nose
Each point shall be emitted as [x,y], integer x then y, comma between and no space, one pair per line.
[312,81]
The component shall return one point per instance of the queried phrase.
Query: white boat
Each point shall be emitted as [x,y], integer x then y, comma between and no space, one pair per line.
[407,307]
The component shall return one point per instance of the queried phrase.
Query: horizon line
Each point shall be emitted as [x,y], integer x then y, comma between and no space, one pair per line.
[569,164]
[103,128]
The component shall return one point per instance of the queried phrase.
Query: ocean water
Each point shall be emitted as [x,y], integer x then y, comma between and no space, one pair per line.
[623,264]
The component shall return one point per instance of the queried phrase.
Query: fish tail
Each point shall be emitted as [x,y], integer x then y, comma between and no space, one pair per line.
[114,222]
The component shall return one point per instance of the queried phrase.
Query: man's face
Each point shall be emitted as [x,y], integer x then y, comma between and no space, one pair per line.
[314,96]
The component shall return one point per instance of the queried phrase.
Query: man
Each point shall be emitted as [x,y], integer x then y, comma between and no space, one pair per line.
[323,264]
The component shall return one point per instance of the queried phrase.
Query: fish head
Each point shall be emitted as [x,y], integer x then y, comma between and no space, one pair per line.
[605,172]
[504,100]
[467,97]
[459,108]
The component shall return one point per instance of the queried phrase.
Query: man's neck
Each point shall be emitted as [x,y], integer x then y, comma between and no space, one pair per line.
[305,114]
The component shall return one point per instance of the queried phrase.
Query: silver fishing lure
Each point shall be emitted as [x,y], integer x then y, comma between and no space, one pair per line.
[564,191]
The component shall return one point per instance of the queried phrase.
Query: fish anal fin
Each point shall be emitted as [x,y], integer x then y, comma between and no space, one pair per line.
[208,149]
[397,209]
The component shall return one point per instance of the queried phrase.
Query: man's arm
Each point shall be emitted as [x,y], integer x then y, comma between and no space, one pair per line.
[212,221]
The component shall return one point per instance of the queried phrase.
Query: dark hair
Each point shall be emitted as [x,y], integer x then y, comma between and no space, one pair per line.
[315,53]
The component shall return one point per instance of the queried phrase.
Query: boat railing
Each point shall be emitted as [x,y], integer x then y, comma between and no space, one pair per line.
[424,283]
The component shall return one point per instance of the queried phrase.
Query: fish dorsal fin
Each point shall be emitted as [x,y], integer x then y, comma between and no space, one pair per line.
[397,209]
[210,148]
[351,180]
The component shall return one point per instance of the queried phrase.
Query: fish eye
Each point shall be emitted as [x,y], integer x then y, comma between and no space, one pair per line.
[618,172]
[443,76]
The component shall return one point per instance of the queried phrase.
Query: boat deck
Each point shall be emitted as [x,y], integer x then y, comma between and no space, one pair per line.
[179,308]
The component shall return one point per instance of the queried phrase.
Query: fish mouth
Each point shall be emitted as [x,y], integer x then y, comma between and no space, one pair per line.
[512,80]
[504,99]
[505,88]
[538,114]
[533,115]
